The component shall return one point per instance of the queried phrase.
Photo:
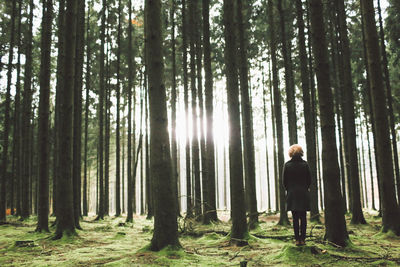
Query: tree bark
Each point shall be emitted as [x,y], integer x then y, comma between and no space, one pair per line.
[389,103]
[283,220]
[165,223]
[238,212]
[211,209]
[286,18]
[6,129]
[390,208]
[44,114]
[247,115]
[65,207]
[335,223]
[26,116]
[308,118]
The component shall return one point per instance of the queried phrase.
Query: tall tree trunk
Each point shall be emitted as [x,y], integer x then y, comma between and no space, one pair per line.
[349,118]
[238,211]
[389,102]
[26,116]
[44,114]
[334,214]
[308,118]
[77,121]
[88,87]
[165,223]
[174,150]
[189,203]
[129,217]
[266,142]
[283,220]
[6,129]
[390,208]
[199,69]
[65,207]
[117,133]
[247,116]
[194,90]
[101,112]
[211,209]
[16,176]
[59,84]
[289,80]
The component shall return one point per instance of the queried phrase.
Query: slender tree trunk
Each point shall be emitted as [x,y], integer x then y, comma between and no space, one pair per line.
[129,217]
[117,133]
[17,162]
[199,69]
[189,209]
[266,143]
[308,118]
[174,150]
[60,78]
[165,223]
[88,87]
[247,116]
[390,208]
[26,115]
[274,152]
[65,207]
[283,220]
[238,211]
[389,102]
[44,114]
[349,118]
[334,213]
[77,120]
[101,112]
[6,129]
[370,163]
[211,209]
[289,80]
[194,90]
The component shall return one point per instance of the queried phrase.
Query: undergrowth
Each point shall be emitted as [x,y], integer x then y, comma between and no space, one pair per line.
[112,242]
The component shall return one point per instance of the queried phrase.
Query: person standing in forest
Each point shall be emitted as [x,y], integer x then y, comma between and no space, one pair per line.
[296,178]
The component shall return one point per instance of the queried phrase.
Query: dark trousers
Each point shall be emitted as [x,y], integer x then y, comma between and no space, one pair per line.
[299,221]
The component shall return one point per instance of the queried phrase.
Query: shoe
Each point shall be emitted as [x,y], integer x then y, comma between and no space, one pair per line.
[298,243]
[302,242]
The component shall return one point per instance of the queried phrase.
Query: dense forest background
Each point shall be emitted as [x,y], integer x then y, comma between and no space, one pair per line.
[184,108]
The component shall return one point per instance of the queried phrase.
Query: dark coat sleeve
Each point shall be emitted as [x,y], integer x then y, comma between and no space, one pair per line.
[308,178]
[284,178]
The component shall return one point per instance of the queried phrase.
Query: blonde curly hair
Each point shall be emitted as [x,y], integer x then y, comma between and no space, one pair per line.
[295,150]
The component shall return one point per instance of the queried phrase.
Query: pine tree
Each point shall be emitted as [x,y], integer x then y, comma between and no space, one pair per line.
[44,114]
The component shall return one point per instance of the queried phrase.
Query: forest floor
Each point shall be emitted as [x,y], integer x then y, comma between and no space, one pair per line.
[112,242]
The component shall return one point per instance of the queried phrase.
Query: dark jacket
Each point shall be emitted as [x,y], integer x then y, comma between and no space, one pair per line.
[296,178]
